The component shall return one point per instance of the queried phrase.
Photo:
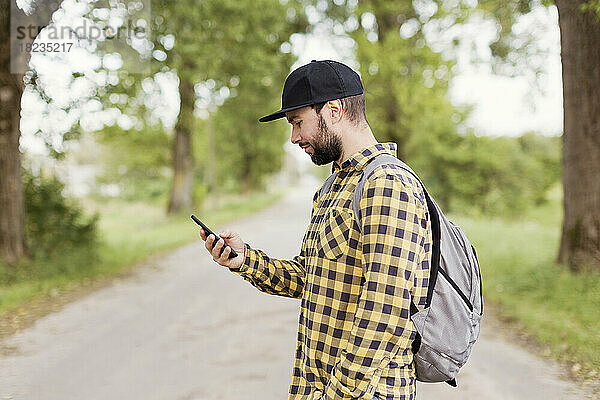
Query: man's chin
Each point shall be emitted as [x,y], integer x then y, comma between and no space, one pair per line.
[317,160]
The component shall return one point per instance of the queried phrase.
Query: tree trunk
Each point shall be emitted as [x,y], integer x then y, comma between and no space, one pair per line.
[580,36]
[12,207]
[181,191]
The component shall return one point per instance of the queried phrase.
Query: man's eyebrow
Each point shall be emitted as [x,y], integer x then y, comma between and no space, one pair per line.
[292,118]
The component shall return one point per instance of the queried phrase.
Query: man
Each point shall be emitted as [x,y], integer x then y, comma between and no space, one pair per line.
[356,280]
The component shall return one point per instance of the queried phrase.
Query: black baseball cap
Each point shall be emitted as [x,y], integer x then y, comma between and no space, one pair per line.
[316,82]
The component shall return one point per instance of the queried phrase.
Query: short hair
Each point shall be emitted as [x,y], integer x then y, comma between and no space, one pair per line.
[354,106]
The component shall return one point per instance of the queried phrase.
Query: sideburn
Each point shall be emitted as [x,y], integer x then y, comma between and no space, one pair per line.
[329,146]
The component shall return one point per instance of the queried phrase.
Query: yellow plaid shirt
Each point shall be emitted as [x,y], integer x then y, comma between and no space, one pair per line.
[356,284]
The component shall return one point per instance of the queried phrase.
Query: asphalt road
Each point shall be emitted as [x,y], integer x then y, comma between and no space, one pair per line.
[183,328]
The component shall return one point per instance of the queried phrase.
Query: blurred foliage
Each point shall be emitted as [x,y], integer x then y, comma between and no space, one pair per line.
[248,153]
[505,14]
[54,223]
[494,176]
[512,51]
[406,90]
[243,58]
[138,162]
[211,36]
[232,52]
[237,55]
[592,5]
[406,82]
[198,196]
[62,241]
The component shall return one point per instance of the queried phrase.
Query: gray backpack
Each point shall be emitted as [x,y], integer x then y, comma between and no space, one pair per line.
[449,324]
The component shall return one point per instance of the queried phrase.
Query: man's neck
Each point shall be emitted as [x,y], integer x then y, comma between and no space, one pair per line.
[355,142]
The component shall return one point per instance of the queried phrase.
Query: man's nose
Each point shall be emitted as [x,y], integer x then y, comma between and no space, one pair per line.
[295,139]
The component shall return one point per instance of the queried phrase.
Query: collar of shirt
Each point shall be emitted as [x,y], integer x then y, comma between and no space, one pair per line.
[361,158]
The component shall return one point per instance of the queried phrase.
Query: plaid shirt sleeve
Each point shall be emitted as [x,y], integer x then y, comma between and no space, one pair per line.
[393,226]
[279,277]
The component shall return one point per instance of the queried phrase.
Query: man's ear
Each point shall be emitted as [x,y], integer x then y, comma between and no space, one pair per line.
[335,109]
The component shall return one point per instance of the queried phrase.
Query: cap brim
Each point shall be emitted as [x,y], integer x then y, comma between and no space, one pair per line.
[281,113]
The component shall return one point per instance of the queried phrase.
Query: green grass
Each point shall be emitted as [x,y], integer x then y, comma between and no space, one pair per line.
[560,309]
[130,233]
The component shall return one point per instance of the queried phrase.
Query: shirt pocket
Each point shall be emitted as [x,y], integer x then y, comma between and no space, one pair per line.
[333,234]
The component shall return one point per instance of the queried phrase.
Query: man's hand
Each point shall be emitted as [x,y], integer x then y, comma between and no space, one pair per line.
[230,240]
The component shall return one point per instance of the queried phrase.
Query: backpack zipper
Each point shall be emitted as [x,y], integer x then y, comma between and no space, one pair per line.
[455,286]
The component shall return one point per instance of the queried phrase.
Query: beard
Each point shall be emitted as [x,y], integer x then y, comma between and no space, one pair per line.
[327,146]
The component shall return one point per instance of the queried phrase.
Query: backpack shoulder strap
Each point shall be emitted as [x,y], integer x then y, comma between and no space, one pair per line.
[434,215]
[327,185]
[367,172]
[358,191]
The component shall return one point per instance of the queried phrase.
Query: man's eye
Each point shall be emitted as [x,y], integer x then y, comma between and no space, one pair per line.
[298,123]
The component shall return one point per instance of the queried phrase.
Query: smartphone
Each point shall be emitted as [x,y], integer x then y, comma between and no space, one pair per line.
[209,232]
